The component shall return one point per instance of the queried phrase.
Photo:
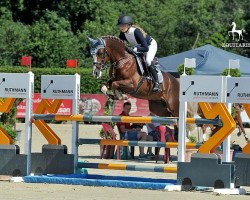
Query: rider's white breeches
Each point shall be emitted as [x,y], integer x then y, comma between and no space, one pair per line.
[151,52]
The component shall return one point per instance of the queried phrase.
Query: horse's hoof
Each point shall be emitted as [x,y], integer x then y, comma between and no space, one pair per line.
[104,89]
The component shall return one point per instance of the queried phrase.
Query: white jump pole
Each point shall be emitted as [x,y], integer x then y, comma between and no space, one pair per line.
[226,144]
[28,123]
[75,124]
[182,131]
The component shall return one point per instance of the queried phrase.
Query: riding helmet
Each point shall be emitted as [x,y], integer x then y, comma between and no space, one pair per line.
[125,19]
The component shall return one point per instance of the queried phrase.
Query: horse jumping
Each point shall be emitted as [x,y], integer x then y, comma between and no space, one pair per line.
[125,77]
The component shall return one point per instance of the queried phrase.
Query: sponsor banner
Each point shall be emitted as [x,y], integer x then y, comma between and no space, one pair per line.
[139,107]
[15,89]
[54,87]
[93,104]
[238,90]
[202,88]
[65,107]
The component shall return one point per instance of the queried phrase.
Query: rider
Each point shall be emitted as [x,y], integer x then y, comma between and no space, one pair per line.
[141,41]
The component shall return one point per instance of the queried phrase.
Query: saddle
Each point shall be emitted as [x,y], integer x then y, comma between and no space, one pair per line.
[151,73]
[147,71]
[142,65]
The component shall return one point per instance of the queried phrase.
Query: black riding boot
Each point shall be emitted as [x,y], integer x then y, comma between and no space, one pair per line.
[157,87]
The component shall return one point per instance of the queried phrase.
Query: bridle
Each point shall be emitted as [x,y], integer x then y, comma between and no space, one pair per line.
[100,44]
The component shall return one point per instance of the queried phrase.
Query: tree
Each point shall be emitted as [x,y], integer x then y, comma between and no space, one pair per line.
[58,29]
[52,42]
[14,37]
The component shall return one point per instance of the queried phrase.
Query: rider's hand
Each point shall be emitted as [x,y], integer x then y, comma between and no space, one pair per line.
[135,50]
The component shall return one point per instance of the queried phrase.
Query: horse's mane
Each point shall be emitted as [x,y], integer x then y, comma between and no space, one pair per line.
[114,38]
[111,37]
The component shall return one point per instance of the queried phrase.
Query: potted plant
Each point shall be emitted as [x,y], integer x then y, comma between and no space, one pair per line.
[8,121]
[10,131]
[189,71]
[233,72]
[192,139]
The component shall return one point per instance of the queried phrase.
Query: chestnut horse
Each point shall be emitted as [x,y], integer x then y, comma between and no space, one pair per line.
[125,77]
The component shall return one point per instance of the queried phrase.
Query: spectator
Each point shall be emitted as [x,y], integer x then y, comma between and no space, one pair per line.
[130,133]
[237,118]
[154,131]
[204,131]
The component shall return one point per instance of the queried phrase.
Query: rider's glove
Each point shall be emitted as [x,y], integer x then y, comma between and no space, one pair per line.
[135,50]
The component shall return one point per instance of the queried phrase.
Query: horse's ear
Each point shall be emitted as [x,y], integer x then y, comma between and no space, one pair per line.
[92,40]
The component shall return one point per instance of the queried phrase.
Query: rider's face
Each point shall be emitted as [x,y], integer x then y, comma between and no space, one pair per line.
[124,27]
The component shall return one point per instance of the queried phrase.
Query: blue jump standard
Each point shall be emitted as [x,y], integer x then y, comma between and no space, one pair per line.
[101,180]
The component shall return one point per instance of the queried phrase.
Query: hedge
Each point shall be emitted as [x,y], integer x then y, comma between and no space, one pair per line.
[89,84]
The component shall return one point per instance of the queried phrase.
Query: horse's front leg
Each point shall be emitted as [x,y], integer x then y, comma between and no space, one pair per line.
[106,89]
[121,87]
[107,86]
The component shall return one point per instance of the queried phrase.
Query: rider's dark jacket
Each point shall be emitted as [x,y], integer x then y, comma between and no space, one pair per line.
[135,37]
